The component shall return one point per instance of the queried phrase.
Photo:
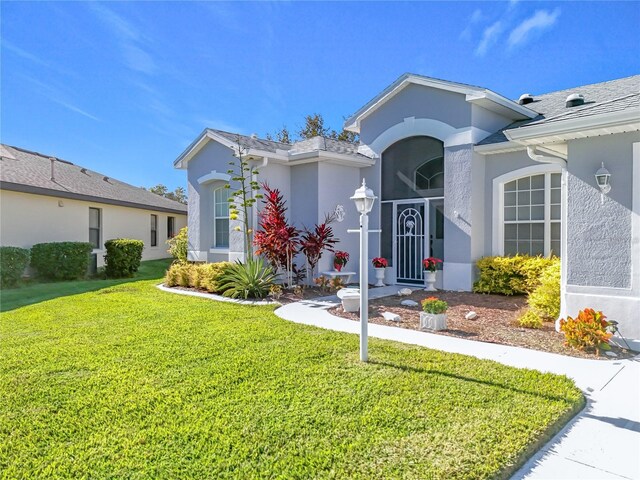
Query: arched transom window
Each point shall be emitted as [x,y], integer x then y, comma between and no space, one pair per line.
[430,174]
[532,215]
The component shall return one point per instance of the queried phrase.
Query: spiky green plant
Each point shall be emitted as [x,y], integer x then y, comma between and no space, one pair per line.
[251,279]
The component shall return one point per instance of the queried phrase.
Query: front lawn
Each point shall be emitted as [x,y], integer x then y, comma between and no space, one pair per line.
[132,382]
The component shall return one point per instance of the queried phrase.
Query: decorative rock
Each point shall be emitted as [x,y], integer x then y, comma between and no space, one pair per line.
[471,315]
[611,354]
[409,303]
[403,292]
[391,317]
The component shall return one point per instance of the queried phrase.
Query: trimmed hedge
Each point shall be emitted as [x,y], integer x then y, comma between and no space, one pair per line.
[123,257]
[61,260]
[203,276]
[13,262]
[545,299]
[510,275]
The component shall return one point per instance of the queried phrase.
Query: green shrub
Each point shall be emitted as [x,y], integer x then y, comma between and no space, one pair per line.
[178,245]
[61,260]
[588,331]
[545,299]
[123,257]
[530,319]
[434,305]
[247,280]
[209,275]
[180,274]
[515,275]
[13,261]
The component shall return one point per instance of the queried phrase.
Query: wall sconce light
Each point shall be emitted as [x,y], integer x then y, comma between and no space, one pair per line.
[602,179]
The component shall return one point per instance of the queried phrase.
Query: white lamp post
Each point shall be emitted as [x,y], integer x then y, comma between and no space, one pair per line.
[364,198]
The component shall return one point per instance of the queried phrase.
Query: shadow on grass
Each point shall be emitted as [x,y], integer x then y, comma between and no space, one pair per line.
[13,298]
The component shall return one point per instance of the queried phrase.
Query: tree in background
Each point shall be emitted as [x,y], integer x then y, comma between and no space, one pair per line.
[282,135]
[179,194]
[313,127]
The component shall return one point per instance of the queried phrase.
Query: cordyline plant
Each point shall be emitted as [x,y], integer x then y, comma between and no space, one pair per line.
[276,239]
[244,198]
[316,241]
[280,241]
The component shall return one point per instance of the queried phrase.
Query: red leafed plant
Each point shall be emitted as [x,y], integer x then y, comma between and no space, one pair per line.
[276,239]
[431,263]
[315,241]
[379,262]
[588,331]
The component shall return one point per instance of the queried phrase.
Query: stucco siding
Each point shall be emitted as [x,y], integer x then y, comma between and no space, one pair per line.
[419,102]
[599,235]
[27,219]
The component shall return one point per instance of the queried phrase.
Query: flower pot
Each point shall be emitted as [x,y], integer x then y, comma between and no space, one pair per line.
[429,281]
[433,321]
[350,299]
[379,276]
[337,267]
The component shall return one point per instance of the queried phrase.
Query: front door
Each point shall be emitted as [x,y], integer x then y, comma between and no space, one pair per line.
[410,241]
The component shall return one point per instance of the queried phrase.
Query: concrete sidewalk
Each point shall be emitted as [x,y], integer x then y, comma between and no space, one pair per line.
[601,442]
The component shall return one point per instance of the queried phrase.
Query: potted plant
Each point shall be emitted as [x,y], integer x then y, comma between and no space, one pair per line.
[340,260]
[379,264]
[434,316]
[430,265]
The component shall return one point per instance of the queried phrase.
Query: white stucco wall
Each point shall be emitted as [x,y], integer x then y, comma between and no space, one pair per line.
[27,219]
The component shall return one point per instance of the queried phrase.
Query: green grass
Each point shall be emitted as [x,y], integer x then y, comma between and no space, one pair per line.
[132,382]
[36,291]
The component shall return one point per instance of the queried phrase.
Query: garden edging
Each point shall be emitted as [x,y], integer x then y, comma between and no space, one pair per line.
[213,296]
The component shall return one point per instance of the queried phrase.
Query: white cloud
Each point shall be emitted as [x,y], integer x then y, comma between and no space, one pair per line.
[539,21]
[130,38]
[476,17]
[489,37]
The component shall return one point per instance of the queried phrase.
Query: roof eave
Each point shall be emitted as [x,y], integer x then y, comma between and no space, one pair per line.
[562,130]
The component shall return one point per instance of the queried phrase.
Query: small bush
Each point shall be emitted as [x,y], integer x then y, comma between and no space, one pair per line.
[434,305]
[545,299]
[123,257]
[529,319]
[179,245]
[588,331]
[511,275]
[61,260]
[204,276]
[13,261]
[247,280]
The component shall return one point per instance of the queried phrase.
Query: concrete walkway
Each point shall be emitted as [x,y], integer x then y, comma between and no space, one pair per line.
[601,442]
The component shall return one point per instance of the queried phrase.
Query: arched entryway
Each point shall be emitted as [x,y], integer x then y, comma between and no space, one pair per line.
[412,205]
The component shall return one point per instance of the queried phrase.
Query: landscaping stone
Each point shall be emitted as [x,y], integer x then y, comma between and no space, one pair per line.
[611,354]
[409,303]
[392,317]
[471,315]
[404,292]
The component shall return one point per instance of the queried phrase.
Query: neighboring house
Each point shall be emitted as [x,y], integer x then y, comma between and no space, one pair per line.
[460,172]
[45,199]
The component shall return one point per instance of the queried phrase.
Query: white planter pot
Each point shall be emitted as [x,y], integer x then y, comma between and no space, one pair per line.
[429,281]
[379,277]
[433,321]
[350,299]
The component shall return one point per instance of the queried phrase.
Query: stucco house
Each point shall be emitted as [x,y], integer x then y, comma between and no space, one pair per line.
[46,199]
[460,172]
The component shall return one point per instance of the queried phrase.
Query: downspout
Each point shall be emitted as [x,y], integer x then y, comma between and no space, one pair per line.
[531,151]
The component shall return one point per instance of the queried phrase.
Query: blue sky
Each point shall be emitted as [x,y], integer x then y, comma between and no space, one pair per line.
[123,88]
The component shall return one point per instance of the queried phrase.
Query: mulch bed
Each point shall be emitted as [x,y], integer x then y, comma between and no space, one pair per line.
[496,321]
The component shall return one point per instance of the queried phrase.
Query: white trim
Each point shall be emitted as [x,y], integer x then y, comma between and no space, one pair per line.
[218,250]
[214,177]
[492,100]
[497,228]
[215,217]
[501,147]
[627,120]
[412,127]
[635,220]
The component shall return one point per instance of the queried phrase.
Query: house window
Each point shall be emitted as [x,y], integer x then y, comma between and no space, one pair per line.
[430,174]
[221,217]
[95,226]
[532,215]
[154,230]
[171,227]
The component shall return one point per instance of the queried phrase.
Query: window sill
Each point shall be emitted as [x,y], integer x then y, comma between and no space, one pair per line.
[218,250]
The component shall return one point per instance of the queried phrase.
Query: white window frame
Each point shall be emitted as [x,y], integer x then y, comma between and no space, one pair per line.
[498,204]
[100,227]
[217,247]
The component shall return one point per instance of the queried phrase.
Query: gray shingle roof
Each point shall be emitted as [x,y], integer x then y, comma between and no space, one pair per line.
[605,97]
[27,171]
[303,146]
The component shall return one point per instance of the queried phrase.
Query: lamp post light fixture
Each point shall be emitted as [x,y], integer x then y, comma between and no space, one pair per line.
[602,179]
[364,199]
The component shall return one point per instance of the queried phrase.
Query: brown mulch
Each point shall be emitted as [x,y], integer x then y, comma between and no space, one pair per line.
[496,321]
